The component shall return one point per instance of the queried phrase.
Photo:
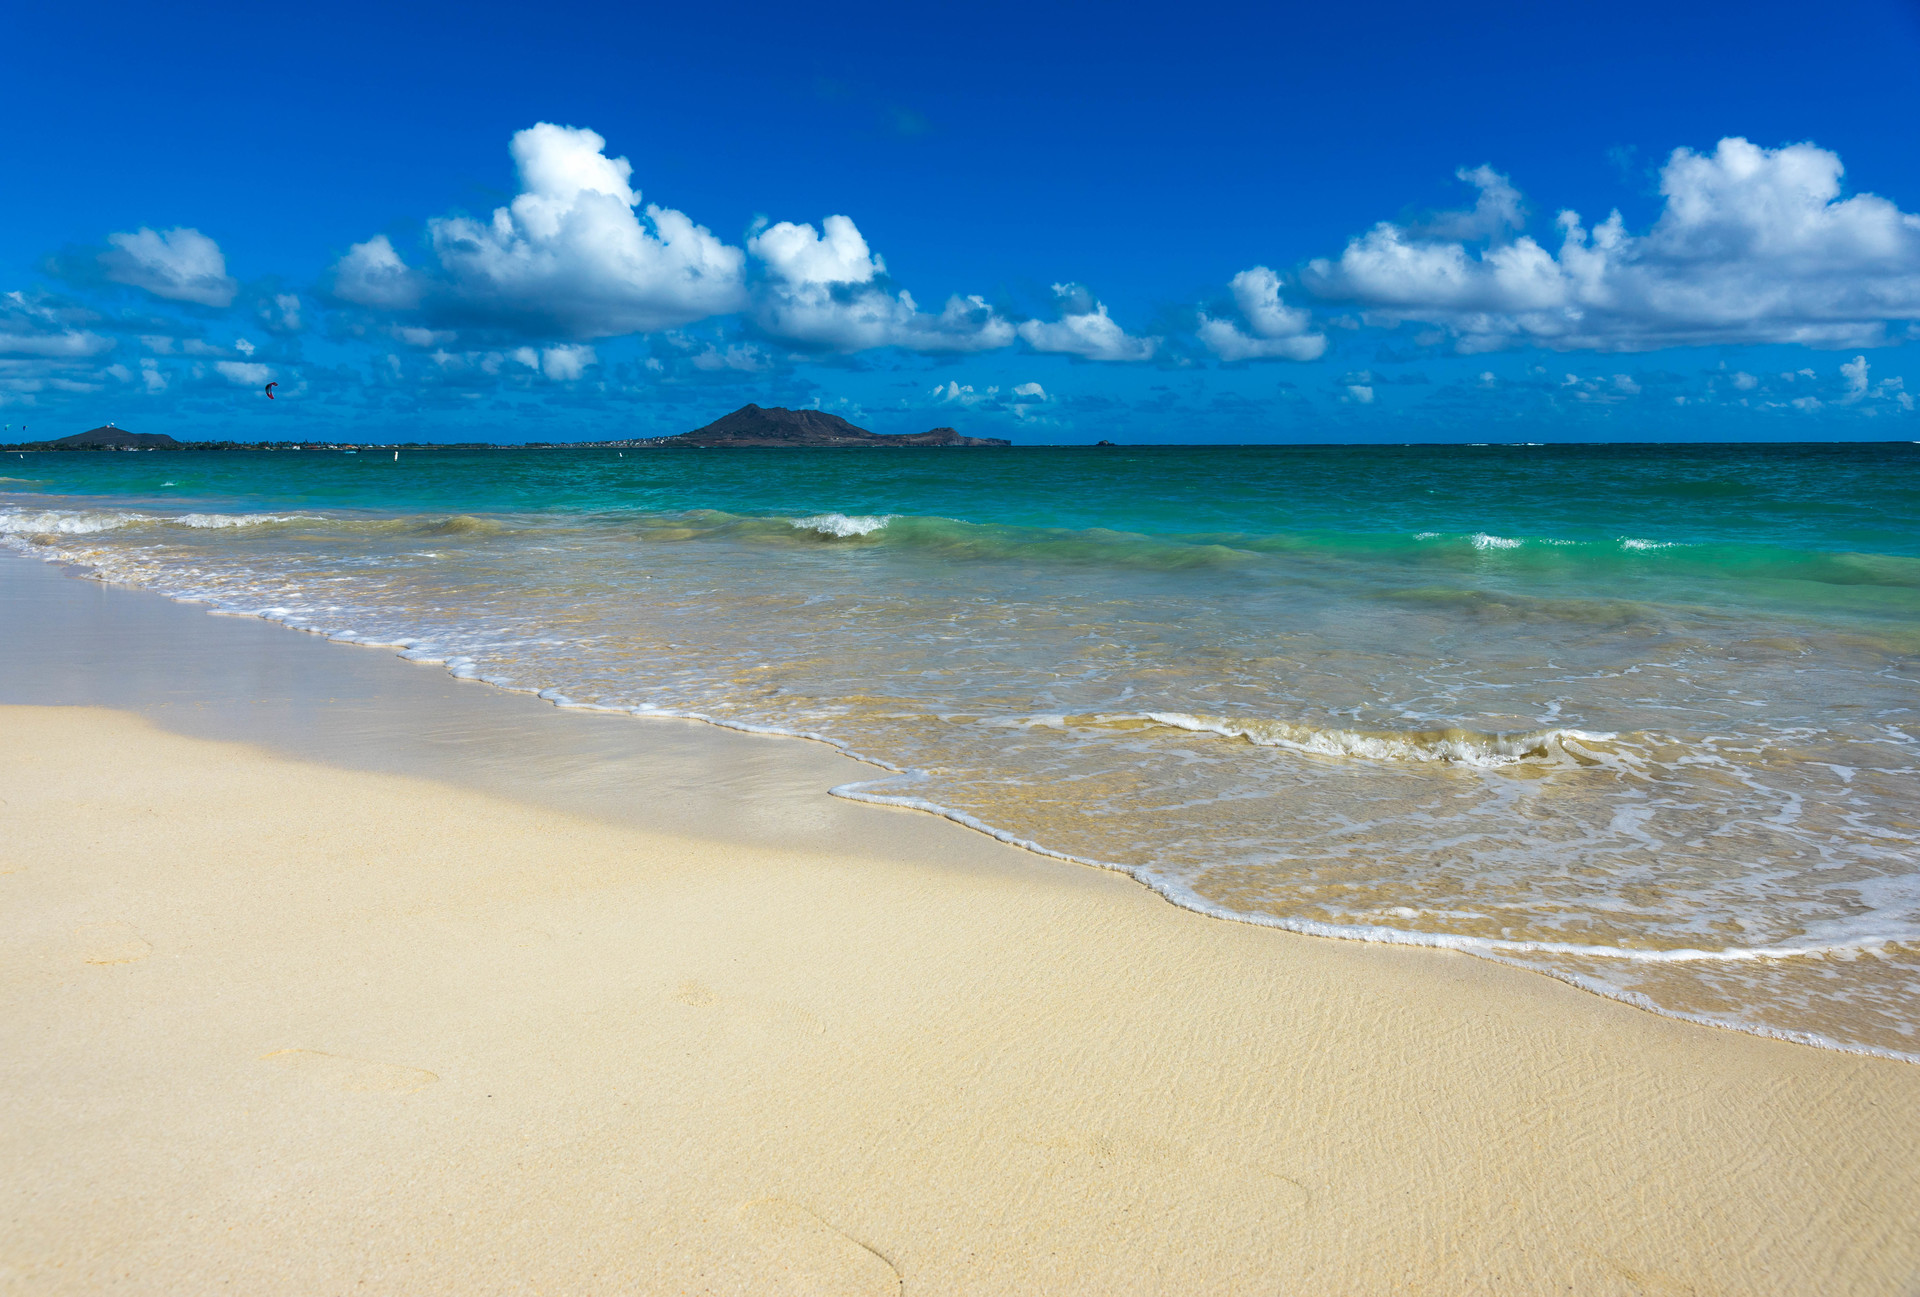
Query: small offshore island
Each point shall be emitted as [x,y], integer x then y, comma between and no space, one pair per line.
[749,426]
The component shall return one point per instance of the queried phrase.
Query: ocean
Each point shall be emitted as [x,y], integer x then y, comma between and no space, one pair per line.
[1643,718]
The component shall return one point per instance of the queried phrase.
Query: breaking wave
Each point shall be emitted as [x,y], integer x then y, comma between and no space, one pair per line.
[1448,746]
[82,522]
[841,526]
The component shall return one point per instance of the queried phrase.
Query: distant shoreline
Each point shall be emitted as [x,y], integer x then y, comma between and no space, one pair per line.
[750,426]
[668,443]
[648,443]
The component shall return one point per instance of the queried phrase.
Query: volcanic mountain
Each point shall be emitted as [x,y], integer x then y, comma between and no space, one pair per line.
[751,425]
[110,438]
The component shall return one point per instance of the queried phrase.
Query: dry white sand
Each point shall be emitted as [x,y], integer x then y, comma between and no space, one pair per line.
[273,1027]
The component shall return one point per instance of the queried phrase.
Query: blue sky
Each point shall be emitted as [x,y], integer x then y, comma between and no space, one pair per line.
[1212,223]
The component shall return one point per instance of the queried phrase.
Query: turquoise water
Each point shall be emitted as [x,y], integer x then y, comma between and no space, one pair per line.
[1639,717]
[1815,499]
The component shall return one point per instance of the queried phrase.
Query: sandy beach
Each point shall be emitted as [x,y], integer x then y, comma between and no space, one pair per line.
[648,1012]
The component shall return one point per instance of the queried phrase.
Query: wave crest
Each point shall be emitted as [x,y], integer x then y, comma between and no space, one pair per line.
[222,520]
[64,522]
[1450,746]
[83,522]
[840,526]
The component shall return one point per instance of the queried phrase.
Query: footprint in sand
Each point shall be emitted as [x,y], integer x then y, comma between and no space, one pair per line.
[805,1255]
[110,943]
[355,1075]
[777,1014]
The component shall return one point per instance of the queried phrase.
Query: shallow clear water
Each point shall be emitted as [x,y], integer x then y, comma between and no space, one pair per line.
[1639,717]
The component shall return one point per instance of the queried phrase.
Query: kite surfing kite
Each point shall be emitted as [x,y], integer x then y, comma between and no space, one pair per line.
[269,391]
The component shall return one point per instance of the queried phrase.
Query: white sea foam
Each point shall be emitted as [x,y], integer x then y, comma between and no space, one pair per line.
[1454,746]
[843,525]
[65,522]
[1485,540]
[1630,542]
[82,522]
[220,520]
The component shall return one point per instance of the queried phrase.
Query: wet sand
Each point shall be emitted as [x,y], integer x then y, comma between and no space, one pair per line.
[476,996]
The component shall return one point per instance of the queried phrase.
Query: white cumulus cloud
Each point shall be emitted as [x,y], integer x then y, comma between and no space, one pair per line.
[243,372]
[576,255]
[835,254]
[1854,372]
[1275,331]
[181,265]
[1019,401]
[1753,245]
[1857,375]
[281,314]
[1497,211]
[26,331]
[825,289]
[568,256]
[566,363]
[563,363]
[964,394]
[372,274]
[1084,329]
